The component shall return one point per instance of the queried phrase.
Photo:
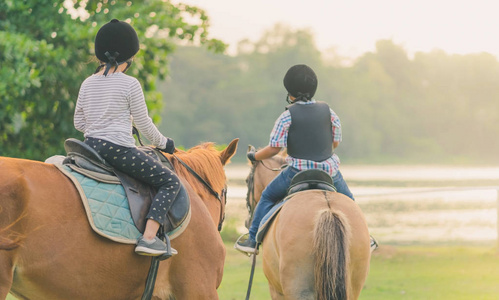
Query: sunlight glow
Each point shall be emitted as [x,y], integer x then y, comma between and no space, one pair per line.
[353,27]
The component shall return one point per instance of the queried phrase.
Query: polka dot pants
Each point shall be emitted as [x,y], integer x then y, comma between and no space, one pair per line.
[143,167]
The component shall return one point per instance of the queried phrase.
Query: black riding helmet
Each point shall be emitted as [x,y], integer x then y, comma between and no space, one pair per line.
[301,82]
[115,43]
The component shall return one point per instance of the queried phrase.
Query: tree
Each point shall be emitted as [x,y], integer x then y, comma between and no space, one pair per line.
[45,53]
[219,97]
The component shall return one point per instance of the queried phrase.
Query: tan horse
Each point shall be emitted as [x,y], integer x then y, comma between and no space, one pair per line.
[318,245]
[49,251]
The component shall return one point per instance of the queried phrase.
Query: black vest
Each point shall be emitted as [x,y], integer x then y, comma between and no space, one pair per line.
[310,135]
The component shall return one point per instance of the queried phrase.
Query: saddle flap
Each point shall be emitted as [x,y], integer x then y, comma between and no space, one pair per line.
[268,219]
[140,197]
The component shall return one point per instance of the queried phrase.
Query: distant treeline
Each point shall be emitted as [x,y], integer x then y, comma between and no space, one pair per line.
[430,108]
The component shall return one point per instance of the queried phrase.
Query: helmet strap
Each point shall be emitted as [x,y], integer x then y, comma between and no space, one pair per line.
[109,65]
[112,62]
[305,97]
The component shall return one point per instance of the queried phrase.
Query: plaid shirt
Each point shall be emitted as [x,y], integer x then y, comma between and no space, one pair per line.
[279,138]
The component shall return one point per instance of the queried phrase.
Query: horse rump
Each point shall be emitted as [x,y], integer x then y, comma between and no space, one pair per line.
[331,256]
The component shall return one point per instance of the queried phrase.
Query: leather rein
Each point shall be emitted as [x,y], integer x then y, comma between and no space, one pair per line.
[223,194]
[250,182]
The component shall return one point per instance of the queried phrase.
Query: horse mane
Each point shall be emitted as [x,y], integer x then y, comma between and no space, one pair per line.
[204,159]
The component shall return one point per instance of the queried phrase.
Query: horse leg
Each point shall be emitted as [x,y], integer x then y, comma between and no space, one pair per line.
[297,278]
[275,295]
[6,273]
[195,276]
[196,271]
[287,263]
[360,258]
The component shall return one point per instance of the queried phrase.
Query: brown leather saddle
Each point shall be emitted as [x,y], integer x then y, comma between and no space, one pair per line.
[83,159]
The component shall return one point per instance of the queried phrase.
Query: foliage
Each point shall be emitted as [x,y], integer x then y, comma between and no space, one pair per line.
[218,97]
[433,107]
[394,108]
[46,50]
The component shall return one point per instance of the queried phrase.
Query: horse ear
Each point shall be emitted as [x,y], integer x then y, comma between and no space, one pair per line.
[228,152]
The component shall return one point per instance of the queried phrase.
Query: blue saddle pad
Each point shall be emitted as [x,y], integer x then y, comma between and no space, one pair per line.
[107,208]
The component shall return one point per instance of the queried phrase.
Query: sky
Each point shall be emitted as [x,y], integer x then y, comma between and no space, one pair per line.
[352,27]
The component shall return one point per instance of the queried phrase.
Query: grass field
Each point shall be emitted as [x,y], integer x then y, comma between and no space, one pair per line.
[403,272]
[397,272]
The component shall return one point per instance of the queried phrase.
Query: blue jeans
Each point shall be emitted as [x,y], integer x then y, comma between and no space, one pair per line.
[277,190]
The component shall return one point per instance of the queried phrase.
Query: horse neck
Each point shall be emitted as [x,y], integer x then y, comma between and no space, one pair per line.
[265,172]
[206,163]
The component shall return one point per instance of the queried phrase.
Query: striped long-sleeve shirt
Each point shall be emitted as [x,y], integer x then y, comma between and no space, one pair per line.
[107,106]
[279,138]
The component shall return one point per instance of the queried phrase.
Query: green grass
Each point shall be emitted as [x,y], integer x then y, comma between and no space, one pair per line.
[236,277]
[433,273]
[405,272]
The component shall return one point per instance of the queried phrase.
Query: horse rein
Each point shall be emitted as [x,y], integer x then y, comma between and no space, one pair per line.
[212,191]
[250,182]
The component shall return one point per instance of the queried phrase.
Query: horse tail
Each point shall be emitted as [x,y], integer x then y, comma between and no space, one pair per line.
[331,256]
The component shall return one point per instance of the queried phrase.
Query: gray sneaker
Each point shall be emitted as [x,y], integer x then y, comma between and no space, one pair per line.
[248,246]
[156,248]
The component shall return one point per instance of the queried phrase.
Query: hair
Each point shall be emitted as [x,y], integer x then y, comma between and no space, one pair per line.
[103,64]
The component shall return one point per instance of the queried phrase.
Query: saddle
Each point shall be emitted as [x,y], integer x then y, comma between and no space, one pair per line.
[82,159]
[312,179]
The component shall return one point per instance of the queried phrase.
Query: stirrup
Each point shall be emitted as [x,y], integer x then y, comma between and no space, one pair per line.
[168,253]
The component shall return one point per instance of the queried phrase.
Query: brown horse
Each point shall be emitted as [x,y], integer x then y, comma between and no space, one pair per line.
[49,251]
[317,247]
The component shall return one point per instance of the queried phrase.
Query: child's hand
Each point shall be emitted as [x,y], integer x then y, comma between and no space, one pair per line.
[170,146]
[251,153]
